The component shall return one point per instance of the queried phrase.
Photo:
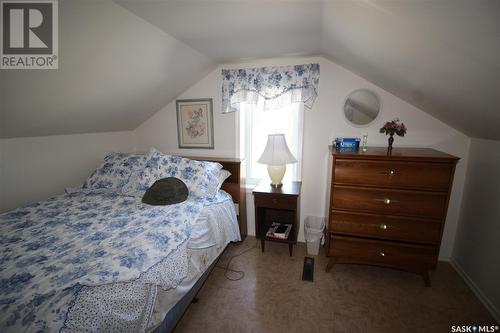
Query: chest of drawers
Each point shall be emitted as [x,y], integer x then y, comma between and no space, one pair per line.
[388,209]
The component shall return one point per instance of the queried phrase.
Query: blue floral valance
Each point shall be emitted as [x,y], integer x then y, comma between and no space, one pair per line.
[269,87]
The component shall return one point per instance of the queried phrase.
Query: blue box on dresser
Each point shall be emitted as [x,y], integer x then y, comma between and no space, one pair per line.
[347,143]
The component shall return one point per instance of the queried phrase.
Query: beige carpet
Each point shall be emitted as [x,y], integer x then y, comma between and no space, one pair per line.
[351,298]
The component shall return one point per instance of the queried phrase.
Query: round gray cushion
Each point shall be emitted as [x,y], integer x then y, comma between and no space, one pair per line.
[166,191]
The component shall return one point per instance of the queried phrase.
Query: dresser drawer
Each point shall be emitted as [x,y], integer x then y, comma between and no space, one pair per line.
[275,201]
[382,253]
[385,227]
[393,174]
[390,202]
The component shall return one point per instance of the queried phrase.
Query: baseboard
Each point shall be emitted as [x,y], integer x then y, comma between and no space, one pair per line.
[475,289]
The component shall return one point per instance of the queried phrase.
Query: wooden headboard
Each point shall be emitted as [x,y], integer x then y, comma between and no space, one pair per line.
[234,185]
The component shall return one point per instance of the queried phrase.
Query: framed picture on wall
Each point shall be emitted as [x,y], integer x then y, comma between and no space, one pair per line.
[195,124]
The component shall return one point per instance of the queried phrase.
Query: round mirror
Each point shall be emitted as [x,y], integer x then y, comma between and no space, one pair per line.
[361,107]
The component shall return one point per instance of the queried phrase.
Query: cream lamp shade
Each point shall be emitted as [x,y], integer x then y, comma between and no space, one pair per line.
[276,155]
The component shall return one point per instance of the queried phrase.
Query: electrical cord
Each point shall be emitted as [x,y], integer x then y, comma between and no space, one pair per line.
[227,270]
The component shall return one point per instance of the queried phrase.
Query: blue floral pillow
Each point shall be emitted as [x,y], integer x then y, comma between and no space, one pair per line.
[201,177]
[115,171]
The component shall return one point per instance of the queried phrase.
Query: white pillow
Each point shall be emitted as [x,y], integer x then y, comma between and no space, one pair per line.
[223,175]
[201,177]
[115,171]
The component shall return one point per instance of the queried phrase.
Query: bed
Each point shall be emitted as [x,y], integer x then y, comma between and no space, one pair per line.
[96,258]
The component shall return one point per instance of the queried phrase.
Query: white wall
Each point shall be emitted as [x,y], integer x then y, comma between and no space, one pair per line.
[36,168]
[321,125]
[160,130]
[2,177]
[115,71]
[477,243]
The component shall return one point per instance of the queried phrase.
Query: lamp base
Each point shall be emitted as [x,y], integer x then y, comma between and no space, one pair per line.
[276,173]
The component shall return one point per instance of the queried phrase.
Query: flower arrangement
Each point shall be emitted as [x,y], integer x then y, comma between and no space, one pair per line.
[394,127]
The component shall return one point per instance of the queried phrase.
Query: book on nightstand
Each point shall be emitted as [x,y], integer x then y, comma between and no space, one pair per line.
[278,230]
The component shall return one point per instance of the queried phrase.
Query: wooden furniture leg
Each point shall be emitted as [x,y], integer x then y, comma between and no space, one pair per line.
[329,265]
[427,280]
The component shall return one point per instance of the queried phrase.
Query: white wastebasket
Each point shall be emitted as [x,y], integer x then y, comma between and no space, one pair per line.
[313,232]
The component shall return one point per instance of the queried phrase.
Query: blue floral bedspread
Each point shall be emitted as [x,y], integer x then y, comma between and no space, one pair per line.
[51,249]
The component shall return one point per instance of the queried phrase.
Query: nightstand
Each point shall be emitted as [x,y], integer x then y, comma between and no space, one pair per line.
[277,204]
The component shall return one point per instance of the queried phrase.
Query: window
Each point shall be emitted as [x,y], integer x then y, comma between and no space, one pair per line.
[256,124]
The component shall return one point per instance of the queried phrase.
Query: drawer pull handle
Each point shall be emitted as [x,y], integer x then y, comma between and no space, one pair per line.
[383,226]
[389,173]
[382,254]
[387,201]
[275,200]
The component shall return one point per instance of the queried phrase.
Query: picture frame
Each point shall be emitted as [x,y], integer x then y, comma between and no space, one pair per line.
[195,125]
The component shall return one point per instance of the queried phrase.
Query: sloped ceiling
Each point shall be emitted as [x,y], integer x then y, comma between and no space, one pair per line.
[441,56]
[115,71]
[122,61]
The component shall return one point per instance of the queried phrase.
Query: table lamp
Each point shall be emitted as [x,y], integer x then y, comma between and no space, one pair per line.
[276,155]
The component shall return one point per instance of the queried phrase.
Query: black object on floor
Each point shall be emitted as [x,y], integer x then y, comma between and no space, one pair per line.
[308,271]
